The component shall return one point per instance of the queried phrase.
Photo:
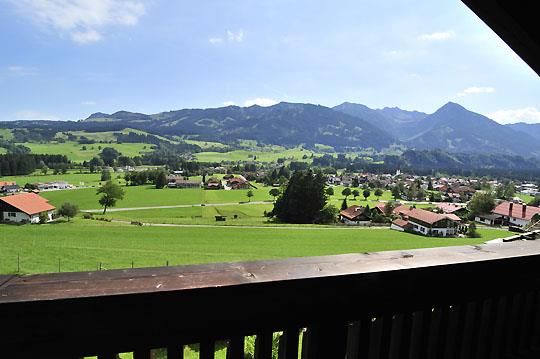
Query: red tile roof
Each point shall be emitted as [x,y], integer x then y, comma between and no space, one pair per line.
[400,222]
[352,212]
[7,183]
[448,207]
[503,209]
[29,203]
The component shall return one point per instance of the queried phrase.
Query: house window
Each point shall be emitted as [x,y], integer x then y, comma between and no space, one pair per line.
[12,214]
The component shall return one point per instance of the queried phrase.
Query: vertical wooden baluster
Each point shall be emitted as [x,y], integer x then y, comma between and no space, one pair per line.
[400,340]
[454,329]
[484,337]
[525,332]
[353,341]
[535,330]
[513,325]
[498,328]
[327,340]
[142,354]
[107,356]
[421,322]
[263,346]
[468,336]
[206,349]
[434,333]
[288,344]
[235,349]
[175,352]
[379,337]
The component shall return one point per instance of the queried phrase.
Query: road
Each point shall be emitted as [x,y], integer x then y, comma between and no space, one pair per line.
[176,206]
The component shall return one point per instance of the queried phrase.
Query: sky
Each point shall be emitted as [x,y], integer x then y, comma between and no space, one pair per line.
[66,59]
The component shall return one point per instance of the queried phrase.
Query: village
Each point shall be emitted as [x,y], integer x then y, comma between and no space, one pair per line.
[434,207]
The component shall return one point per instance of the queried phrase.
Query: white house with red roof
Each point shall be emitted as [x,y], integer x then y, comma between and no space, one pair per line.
[425,222]
[25,208]
[515,214]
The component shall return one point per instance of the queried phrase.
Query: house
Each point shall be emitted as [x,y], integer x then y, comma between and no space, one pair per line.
[9,187]
[425,222]
[515,214]
[25,208]
[239,182]
[354,215]
[181,182]
[450,208]
[489,219]
[55,185]
[213,183]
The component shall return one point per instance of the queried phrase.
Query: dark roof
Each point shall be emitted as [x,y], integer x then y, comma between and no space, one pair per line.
[352,212]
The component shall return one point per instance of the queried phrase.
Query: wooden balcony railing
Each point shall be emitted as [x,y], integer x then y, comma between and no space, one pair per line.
[457,302]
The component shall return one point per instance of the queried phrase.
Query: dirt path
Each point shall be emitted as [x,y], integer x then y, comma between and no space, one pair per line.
[175,206]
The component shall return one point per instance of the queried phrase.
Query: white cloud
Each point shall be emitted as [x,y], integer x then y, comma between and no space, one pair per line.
[33,115]
[235,37]
[215,40]
[475,90]
[230,36]
[261,101]
[83,20]
[22,70]
[526,114]
[88,103]
[84,37]
[229,103]
[437,36]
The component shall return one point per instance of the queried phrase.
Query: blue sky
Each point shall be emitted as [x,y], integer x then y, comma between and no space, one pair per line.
[65,59]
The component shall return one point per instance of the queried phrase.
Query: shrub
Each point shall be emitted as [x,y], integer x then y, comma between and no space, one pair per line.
[87,215]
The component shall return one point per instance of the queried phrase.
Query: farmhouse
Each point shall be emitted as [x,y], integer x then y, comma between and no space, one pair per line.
[515,214]
[49,186]
[450,208]
[354,215]
[181,182]
[425,222]
[8,187]
[237,183]
[24,208]
[213,183]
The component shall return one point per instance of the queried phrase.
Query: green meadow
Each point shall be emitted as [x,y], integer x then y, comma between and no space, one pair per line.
[262,154]
[74,151]
[82,245]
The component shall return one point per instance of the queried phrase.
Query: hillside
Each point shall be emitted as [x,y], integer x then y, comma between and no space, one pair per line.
[282,124]
[456,129]
[399,123]
[532,129]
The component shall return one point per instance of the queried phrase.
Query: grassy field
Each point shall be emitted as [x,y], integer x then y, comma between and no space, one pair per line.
[266,154]
[145,196]
[74,152]
[82,244]
[72,177]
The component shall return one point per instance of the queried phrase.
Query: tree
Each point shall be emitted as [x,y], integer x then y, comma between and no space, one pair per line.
[509,191]
[303,199]
[346,192]
[378,193]
[366,193]
[274,192]
[105,175]
[389,208]
[44,170]
[161,180]
[430,185]
[68,210]
[472,232]
[481,202]
[330,191]
[344,204]
[111,192]
[43,217]
[396,192]
[355,193]
[109,155]
[249,194]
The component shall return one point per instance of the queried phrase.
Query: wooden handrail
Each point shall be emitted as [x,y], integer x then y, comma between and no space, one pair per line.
[348,303]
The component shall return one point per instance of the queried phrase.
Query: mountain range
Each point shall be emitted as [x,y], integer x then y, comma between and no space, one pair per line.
[451,128]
